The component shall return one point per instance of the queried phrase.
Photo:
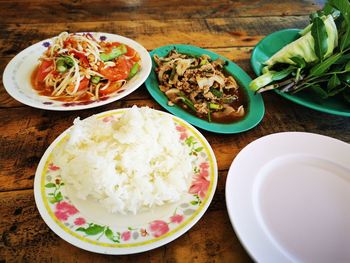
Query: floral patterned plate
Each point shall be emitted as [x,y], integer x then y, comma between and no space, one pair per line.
[87,225]
[17,76]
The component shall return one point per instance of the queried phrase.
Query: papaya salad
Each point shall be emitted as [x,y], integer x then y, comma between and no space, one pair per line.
[78,68]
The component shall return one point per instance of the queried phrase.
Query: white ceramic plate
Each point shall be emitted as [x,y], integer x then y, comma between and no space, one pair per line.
[288,197]
[17,75]
[88,226]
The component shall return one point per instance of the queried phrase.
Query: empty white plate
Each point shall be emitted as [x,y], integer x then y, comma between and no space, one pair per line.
[288,198]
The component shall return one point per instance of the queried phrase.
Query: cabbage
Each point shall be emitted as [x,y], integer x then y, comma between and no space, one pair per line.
[262,80]
[304,46]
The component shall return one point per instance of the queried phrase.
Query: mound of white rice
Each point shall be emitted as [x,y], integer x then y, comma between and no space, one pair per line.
[129,164]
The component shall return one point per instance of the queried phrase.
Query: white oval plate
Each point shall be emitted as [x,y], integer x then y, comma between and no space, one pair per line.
[88,226]
[17,75]
[288,198]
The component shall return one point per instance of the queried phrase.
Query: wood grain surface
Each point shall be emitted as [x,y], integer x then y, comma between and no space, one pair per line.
[230,28]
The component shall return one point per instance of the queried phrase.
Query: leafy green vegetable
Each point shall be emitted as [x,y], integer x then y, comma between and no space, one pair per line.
[262,81]
[269,77]
[318,61]
[319,91]
[347,66]
[319,33]
[299,61]
[343,6]
[282,74]
[321,68]
[333,82]
[305,46]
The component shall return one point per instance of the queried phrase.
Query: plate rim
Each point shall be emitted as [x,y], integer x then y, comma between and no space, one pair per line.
[242,234]
[249,122]
[296,99]
[7,74]
[126,249]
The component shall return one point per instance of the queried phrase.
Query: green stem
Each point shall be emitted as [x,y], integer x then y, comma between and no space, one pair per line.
[339,72]
[306,85]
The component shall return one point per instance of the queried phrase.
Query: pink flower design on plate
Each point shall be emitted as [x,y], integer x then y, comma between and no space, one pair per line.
[204,166]
[79,221]
[64,210]
[176,218]
[53,167]
[180,128]
[158,228]
[201,184]
[108,119]
[183,134]
[126,235]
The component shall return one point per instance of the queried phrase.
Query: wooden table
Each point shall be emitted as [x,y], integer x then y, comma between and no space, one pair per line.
[230,28]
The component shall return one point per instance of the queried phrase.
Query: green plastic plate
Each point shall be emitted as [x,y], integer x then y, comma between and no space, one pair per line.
[254,113]
[273,43]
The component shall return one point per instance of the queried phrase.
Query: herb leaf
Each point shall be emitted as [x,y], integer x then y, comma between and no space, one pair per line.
[347,66]
[319,33]
[336,91]
[343,6]
[299,60]
[333,82]
[346,78]
[278,75]
[322,67]
[319,91]
[345,40]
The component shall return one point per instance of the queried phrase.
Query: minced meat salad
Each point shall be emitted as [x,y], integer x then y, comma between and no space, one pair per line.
[200,86]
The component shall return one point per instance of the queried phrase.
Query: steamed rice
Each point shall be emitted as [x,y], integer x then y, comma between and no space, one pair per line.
[129,164]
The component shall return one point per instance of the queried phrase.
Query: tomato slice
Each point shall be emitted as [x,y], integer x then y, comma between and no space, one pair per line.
[113,87]
[130,51]
[83,59]
[129,63]
[118,72]
[84,83]
[109,46]
[114,44]
[71,42]
[44,69]
[134,56]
